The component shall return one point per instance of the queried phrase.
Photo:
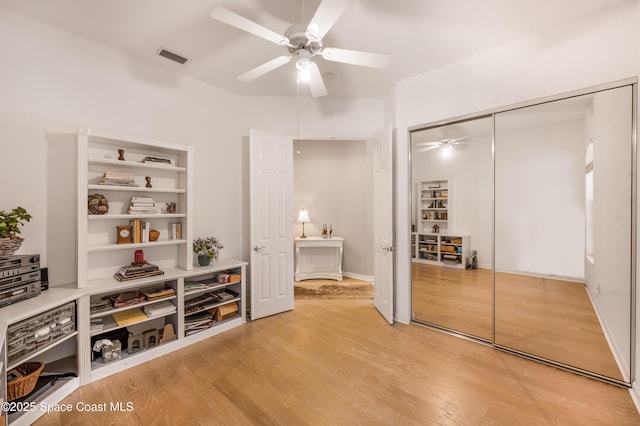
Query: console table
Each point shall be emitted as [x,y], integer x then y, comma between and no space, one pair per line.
[318,258]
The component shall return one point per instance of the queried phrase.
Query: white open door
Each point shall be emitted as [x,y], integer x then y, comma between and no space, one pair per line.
[383,223]
[271,217]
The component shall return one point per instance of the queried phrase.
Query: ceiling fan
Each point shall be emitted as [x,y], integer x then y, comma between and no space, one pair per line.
[303,42]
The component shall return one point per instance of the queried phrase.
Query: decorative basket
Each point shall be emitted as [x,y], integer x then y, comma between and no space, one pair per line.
[24,385]
[8,246]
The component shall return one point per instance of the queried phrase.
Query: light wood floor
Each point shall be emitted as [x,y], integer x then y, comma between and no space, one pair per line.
[552,319]
[337,362]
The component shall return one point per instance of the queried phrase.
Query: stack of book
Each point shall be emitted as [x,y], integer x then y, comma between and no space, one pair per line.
[103,305]
[200,303]
[97,324]
[117,179]
[156,293]
[143,205]
[158,309]
[196,323]
[137,270]
[193,286]
[225,295]
[127,298]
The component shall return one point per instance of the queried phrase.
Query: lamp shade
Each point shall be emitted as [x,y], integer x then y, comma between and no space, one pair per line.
[303,216]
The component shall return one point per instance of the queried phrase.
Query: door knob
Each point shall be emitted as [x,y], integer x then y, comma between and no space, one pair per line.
[258,249]
[388,248]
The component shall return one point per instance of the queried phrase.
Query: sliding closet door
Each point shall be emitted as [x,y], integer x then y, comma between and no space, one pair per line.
[452,174]
[563,231]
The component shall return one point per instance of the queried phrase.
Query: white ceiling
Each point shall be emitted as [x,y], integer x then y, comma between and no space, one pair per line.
[420,35]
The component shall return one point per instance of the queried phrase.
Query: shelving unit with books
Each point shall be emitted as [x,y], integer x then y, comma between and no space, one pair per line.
[153,303]
[147,185]
[137,317]
[214,299]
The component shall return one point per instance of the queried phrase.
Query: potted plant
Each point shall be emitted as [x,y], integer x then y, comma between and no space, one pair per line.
[10,223]
[206,249]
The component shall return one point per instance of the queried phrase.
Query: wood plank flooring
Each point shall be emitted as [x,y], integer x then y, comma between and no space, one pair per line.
[337,362]
[552,319]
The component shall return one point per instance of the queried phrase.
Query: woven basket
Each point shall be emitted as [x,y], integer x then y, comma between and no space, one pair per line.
[8,246]
[24,385]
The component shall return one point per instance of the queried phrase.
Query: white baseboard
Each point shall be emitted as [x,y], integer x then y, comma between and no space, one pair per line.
[367,278]
[635,395]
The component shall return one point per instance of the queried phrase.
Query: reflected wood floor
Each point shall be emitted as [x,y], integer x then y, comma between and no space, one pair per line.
[337,362]
[552,319]
[456,299]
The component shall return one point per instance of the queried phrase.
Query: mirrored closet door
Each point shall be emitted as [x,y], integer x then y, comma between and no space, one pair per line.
[523,229]
[563,174]
[452,174]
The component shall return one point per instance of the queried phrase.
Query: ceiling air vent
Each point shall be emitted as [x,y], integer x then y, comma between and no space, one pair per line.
[173,56]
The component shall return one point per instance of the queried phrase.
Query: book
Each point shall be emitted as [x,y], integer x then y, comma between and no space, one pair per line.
[160,308]
[175,231]
[129,316]
[118,175]
[137,231]
[136,276]
[156,160]
[158,293]
[135,268]
[225,295]
[127,298]
[97,324]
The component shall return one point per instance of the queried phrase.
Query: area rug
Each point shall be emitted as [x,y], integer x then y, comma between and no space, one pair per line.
[348,288]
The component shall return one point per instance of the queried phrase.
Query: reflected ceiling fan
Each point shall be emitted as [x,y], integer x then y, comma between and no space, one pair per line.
[445,142]
[303,42]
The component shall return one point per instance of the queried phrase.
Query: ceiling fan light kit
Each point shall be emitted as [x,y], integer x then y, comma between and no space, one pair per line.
[303,42]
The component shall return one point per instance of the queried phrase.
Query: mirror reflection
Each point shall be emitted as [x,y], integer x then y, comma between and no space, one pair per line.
[563,175]
[547,190]
[452,214]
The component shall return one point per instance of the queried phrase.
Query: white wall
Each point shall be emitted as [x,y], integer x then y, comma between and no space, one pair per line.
[57,82]
[609,127]
[330,180]
[539,195]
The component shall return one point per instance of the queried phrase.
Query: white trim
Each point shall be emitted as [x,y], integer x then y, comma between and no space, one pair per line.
[635,396]
[618,355]
[367,278]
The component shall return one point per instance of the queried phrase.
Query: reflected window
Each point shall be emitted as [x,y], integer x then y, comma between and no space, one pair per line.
[589,201]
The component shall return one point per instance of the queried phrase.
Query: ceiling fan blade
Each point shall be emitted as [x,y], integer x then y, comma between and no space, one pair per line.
[228,17]
[429,143]
[428,148]
[264,68]
[458,140]
[365,59]
[325,17]
[316,84]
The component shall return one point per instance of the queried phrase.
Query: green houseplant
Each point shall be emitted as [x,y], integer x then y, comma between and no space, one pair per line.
[10,223]
[206,249]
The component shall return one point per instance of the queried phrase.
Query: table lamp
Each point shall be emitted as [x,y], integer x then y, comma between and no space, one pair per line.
[303,217]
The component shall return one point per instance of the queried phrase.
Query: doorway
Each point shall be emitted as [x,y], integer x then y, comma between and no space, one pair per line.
[332,183]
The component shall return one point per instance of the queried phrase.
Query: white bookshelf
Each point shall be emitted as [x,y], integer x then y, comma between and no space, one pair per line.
[99,254]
